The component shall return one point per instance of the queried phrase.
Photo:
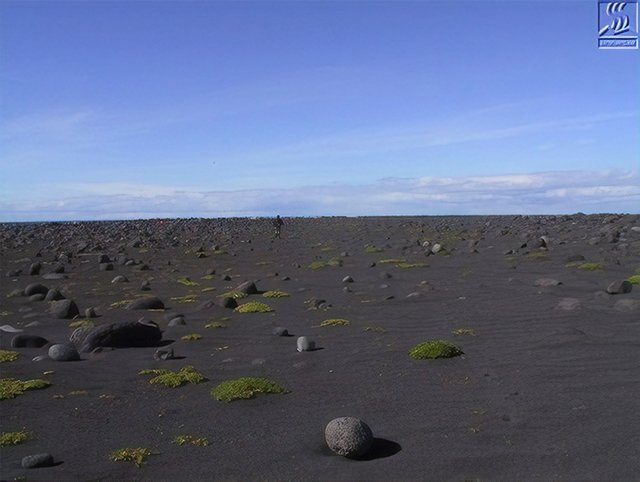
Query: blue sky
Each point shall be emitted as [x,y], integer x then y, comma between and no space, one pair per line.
[138,109]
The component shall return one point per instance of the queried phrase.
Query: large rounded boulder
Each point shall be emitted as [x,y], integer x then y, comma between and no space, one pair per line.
[123,334]
[147,303]
[348,436]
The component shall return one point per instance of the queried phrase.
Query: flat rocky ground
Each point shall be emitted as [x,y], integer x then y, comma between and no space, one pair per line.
[548,387]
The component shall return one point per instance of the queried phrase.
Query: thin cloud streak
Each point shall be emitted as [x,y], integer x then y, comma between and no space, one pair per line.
[535,193]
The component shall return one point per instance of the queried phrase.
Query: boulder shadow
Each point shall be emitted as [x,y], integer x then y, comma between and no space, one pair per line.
[381,449]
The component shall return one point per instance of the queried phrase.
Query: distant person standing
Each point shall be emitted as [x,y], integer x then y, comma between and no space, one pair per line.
[277,226]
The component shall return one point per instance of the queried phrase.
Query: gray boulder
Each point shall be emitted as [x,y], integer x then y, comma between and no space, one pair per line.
[248,287]
[148,303]
[35,288]
[123,334]
[37,460]
[348,436]
[305,344]
[64,352]
[619,287]
[64,309]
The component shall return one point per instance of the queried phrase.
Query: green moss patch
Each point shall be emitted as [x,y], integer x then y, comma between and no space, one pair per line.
[245,388]
[79,323]
[253,307]
[13,438]
[8,356]
[335,322]
[185,299]
[11,387]
[319,264]
[538,255]
[207,290]
[634,280]
[170,379]
[392,261]
[464,331]
[590,266]
[190,439]
[191,337]
[411,265]
[187,281]
[373,249]
[215,324]
[208,276]
[137,455]
[275,294]
[235,294]
[434,349]
[120,304]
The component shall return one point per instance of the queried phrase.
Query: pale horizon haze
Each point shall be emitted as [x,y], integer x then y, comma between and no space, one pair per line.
[151,109]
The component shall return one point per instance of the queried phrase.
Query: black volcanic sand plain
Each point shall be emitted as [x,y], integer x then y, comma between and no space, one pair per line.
[548,387]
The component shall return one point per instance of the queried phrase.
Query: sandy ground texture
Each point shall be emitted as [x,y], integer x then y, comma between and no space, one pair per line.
[548,387]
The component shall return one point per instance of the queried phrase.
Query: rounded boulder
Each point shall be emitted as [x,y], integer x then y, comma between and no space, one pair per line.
[348,436]
[64,352]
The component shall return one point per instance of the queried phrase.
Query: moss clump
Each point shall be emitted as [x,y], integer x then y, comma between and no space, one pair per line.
[434,349]
[411,265]
[8,356]
[190,439]
[207,290]
[120,304]
[590,266]
[185,299]
[191,337]
[464,331]
[335,322]
[235,294]
[13,438]
[11,388]
[634,280]
[187,281]
[319,264]
[253,307]
[171,379]
[79,323]
[392,261]
[373,249]
[137,455]
[215,324]
[208,276]
[275,294]
[244,388]
[539,255]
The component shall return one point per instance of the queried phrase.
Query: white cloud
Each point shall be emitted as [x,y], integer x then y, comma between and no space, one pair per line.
[547,192]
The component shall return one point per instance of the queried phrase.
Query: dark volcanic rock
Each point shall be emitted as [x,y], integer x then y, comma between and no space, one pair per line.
[35,288]
[36,297]
[619,287]
[34,269]
[28,341]
[121,335]
[64,309]
[248,287]
[149,303]
[228,302]
[64,352]
[37,460]
[106,267]
[53,295]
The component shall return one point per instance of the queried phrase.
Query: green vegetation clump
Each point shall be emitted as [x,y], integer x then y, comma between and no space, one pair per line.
[190,439]
[245,388]
[185,299]
[539,255]
[335,322]
[590,266]
[634,280]
[207,290]
[8,356]
[191,337]
[79,323]
[411,265]
[137,455]
[171,379]
[208,276]
[464,331]
[187,281]
[373,249]
[275,294]
[11,388]
[215,324]
[13,438]
[392,261]
[319,264]
[235,294]
[120,304]
[253,307]
[434,349]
